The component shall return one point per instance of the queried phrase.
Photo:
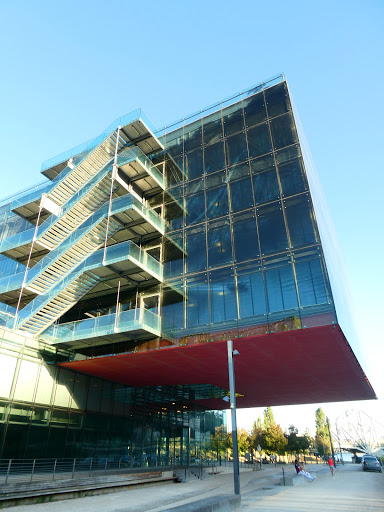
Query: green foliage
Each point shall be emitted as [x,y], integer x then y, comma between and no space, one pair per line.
[218,440]
[243,441]
[321,424]
[256,436]
[270,437]
[322,442]
[322,445]
[268,418]
[295,443]
[229,440]
[274,439]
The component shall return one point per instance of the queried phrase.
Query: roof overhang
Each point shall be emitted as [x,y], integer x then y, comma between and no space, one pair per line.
[302,366]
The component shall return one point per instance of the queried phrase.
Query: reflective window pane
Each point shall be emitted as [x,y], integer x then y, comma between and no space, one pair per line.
[8,366]
[272,233]
[214,159]
[194,164]
[174,143]
[193,139]
[241,194]
[292,177]
[281,290]
[236,149]
[259,140]
[195,209]
[173,256]
[254,110]
[215,180]
[219,243]
[264,163]
[222,297]
[245,239]
[26,381]
[212,128]
[233,119]
[251,295]
[277,100]
[196,250]
[283,131]
[266,187]
[310,281]
[197,302]
[300,221]
[217,202]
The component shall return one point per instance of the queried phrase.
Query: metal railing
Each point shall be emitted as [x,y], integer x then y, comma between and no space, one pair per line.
[34,470]
[14,471]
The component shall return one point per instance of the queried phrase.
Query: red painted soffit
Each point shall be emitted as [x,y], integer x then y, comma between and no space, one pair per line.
[302,366]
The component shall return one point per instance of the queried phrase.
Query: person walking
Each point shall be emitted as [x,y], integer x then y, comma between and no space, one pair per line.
[331,464]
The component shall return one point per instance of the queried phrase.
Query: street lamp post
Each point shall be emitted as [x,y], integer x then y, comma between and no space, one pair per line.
[232,398]
[330,440]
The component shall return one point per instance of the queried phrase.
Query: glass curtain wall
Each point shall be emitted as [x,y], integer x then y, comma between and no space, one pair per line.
[52,412]
[253,261]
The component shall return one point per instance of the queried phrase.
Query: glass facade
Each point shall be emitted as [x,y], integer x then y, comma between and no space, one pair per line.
[199,232]
[48,411]
[252,261]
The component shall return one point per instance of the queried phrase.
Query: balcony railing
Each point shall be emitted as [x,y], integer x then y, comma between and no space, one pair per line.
[139,319]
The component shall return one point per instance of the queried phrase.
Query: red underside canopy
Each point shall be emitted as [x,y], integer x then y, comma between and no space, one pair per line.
[296,367]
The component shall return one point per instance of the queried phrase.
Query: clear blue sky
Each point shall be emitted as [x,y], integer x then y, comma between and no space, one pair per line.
[70,68]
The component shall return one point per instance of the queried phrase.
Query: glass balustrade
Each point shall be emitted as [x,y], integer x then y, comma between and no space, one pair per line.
[119,204]
[118,252]
[125,321]
[135,154]
[123,121]
[13,282]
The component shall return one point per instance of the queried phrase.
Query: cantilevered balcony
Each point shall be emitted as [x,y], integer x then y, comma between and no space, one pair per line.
[133,325]
[102,270]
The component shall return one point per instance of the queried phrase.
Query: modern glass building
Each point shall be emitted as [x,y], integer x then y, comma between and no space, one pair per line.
[124,273]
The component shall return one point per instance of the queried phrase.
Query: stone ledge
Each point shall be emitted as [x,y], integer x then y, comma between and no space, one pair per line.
[291,481]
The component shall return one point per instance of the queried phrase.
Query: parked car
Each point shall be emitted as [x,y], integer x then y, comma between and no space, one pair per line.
[370,463]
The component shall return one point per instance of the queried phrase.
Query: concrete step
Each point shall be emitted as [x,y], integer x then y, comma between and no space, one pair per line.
[44,491]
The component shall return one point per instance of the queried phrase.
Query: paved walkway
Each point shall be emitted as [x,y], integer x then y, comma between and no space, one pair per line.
[349,490]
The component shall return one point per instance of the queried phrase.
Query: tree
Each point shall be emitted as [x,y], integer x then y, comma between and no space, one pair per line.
[322,443]
[321,426]
[296,443]
[218,441]
[292,444]
[243,441]
[274,439]
[268,418]
[292,430]
[256,435]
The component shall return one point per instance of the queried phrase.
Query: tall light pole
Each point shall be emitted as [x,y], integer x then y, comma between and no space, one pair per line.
[232,399]
[330,440]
